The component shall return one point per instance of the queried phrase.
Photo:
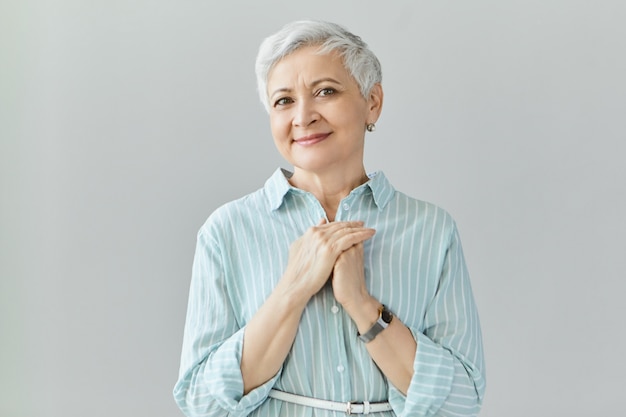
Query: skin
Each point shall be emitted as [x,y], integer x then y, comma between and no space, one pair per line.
[318,118]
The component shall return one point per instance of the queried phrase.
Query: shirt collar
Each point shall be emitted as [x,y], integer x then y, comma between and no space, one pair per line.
[277,188]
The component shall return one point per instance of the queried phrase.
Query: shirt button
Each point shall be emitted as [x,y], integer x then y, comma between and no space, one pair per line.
[334,309]
[340,368]
[346,206]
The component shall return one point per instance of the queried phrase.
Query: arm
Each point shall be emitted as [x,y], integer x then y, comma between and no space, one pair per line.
[226,368]
[272,330]
[393,350]
[449,370]
[209,382]
[439,371]
[270,334]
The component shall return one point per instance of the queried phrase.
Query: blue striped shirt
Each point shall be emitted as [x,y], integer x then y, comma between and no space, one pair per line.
[414,265]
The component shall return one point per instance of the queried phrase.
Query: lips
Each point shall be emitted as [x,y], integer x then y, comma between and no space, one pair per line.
[311,139]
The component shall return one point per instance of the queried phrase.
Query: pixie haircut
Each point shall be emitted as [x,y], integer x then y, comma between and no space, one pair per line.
[358,59]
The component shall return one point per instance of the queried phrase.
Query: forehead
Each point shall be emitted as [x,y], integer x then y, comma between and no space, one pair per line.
[305,64]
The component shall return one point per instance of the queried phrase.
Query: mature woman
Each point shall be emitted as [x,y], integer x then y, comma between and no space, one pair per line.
[327,289]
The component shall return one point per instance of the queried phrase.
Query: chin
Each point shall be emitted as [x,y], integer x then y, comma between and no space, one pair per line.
[312,164]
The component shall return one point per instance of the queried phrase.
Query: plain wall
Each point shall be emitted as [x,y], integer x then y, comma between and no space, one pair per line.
[123,124]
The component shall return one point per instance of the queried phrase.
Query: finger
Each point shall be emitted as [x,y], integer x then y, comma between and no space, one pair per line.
[337,237]
[352,250]
[354,237]
[333,228]
[346,228]
[332,234]
[339,225]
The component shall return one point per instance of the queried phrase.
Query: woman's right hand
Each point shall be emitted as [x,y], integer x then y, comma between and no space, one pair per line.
[313,256]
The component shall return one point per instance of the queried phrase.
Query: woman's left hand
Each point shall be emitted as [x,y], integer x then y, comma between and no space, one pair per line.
[394,349]
[349,277]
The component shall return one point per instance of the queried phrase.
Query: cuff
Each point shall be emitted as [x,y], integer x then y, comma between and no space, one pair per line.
[433,375]
[228,385]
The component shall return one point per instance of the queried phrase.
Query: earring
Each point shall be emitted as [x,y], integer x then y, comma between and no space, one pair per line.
[370,127]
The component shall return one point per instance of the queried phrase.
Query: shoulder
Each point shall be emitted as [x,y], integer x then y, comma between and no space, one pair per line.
[423,214]
[396,202]
[237,214]
[422,208]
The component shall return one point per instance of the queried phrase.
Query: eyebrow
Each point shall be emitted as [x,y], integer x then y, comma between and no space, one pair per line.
[313,84]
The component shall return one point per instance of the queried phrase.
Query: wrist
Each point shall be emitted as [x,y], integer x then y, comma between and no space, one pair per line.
[364,313]
[293,293]
[384,320]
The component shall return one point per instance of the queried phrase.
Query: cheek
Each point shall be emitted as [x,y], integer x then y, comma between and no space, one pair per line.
[280,127]
[351,115]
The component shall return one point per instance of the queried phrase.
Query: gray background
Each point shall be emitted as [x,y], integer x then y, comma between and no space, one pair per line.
[123,124]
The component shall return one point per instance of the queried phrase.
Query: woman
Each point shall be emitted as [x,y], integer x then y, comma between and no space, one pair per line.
[327,289]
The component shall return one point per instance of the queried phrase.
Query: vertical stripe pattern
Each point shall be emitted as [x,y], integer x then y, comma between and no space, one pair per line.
[414,264]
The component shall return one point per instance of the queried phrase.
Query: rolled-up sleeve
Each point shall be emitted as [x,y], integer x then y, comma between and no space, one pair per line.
[210,381]
[449,371]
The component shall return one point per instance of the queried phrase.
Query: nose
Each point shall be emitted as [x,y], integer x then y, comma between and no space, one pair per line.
[304,113]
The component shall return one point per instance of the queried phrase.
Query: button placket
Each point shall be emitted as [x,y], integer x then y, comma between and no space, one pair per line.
[343,211]
[340,358]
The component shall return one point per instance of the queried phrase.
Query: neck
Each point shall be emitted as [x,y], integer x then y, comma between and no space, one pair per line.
[329,187]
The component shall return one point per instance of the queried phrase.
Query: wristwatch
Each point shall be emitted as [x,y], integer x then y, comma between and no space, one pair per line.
[384,318]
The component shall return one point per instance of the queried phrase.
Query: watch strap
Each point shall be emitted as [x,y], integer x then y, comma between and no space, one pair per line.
[384,318]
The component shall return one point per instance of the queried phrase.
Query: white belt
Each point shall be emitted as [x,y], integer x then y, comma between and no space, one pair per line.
[365,407]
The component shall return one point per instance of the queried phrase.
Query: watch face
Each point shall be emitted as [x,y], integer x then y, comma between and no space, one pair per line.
[386,315]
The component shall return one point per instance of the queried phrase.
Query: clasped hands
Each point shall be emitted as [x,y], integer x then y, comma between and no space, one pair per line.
[330,249]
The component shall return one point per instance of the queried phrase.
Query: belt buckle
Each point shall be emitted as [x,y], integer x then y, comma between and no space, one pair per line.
[348,408]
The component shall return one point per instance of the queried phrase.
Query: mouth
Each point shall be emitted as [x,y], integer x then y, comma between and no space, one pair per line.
[311,139]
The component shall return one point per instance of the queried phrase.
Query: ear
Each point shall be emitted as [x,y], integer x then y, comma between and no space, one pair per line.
[375,103]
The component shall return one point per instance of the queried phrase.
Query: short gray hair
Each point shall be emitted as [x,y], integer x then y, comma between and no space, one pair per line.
[358,59]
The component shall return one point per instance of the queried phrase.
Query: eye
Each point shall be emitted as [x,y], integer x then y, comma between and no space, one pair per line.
[326,92]
[283,101]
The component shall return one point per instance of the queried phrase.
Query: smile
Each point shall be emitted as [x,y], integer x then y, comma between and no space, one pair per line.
[311,139]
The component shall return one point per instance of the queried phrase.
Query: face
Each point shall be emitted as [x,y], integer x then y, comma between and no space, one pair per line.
[317,113]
